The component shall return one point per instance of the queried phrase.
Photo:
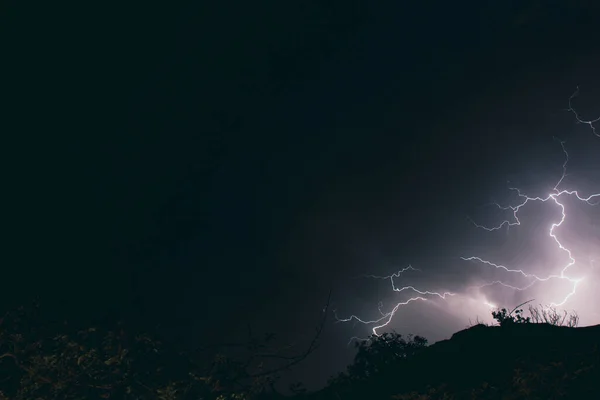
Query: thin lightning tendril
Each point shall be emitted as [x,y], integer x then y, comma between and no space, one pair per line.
[386,317]
[555,197]
[590,122]
[392,276]
[593,199]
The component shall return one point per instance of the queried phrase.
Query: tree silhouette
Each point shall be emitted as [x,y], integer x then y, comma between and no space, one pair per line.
[379,353]
[379,366]
[42,360]
[45,361]
[540,357]
[506,318]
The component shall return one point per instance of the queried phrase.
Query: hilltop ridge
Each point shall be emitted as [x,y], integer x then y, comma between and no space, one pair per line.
[517,361]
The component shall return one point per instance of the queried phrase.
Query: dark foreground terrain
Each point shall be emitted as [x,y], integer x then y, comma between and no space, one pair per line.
[517,361]
[48,359]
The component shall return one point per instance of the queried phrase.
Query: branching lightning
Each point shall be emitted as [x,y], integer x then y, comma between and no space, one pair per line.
[556,197]
[386,317]
[590,122]
[394,275]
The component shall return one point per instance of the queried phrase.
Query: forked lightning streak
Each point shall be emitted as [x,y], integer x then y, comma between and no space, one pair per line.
[556,197]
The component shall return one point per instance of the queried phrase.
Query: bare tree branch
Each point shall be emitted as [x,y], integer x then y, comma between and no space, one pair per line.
[311,348]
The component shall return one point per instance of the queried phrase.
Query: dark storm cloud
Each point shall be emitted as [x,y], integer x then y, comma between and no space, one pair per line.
[230,163]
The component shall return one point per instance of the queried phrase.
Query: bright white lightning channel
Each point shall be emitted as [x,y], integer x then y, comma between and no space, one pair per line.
[386,317]
[555,197]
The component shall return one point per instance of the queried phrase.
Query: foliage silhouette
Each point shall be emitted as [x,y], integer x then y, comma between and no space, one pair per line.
[549,315]
[381,352]
[505,318]
[538,315]
[41,360]
[545,360]
[379,359]
[540,357]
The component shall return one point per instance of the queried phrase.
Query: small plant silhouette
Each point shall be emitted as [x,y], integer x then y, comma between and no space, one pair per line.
[515,316]
[550,315]
[538,315]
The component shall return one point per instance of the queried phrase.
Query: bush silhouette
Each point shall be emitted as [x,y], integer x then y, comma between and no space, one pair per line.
[405,368]
[382,352]
[43,359]
[538,315]
[63,362]
[505,318]
[378,364]
[549,315]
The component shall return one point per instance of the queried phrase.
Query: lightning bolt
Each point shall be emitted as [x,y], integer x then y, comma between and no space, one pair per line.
[402,289]
[381,322]
[590,122]
[555,196]
[490,305]
[392,276]
[386,317]
[523,288]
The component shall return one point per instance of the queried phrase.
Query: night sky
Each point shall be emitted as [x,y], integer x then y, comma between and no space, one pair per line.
[201,167]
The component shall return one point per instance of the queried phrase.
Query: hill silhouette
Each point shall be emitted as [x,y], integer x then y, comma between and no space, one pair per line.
[519,358]
[515,361]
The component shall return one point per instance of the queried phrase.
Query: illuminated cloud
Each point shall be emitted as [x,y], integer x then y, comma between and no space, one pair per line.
[561,285]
